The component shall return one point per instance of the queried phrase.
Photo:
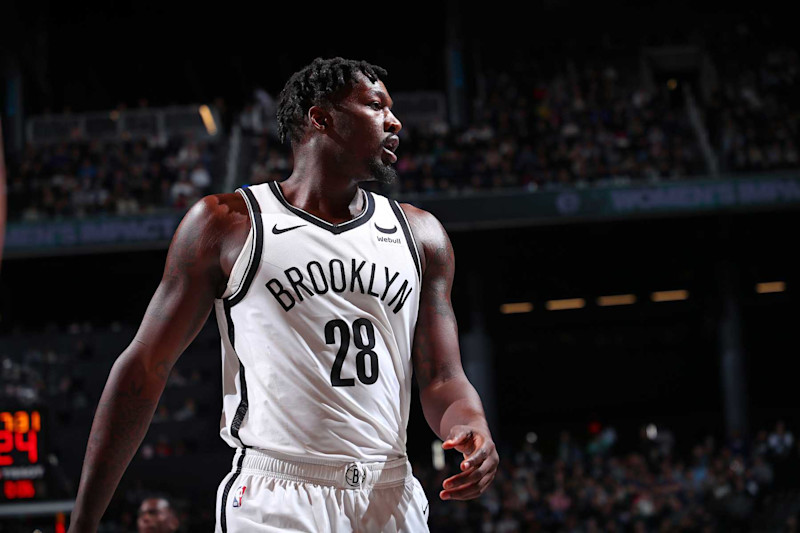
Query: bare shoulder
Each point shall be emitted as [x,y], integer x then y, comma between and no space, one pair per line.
[213,231]
[429,234]
[218,212]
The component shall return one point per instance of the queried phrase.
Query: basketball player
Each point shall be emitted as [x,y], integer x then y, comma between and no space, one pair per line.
[327,298]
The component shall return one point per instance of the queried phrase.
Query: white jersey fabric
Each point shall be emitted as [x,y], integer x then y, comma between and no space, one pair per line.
[317,325]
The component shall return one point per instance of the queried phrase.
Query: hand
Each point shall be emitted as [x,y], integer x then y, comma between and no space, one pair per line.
[478,467]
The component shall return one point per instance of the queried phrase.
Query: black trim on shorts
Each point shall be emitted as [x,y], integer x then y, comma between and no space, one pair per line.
[241,410]
[258,246]
[223,519]
[336,229]
[412,245]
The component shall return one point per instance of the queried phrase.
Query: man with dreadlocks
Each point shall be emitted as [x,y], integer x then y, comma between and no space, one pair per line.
[328,299]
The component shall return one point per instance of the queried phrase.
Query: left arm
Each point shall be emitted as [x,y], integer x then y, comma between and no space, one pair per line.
[451,405]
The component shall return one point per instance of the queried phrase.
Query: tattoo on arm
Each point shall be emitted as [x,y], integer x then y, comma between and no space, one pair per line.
[187,262]
[436,339]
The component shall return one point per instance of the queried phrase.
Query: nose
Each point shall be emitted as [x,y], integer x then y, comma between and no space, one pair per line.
[392,124]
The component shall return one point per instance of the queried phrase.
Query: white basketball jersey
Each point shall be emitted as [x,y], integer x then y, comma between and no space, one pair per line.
[317,325]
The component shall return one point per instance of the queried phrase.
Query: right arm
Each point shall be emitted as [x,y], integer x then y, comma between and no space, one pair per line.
[197,267]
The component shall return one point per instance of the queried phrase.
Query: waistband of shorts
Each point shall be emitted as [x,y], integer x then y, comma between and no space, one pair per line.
[341,474]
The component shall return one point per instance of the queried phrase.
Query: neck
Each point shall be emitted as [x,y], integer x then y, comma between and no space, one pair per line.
[318,185]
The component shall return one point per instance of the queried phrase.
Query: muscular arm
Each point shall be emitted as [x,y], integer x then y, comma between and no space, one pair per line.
[451,405]
[195,274]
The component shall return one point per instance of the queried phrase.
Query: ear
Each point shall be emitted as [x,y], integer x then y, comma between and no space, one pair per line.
[319,118]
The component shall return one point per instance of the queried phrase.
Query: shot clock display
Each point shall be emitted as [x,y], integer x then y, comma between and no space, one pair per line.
[22,454]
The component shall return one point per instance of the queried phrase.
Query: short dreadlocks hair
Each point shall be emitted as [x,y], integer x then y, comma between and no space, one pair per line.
[314,85]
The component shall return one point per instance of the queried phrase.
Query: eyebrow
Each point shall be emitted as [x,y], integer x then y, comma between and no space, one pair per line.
[382,95]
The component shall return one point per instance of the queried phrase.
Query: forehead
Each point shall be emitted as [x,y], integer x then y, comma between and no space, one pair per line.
[153,504]
[364,87]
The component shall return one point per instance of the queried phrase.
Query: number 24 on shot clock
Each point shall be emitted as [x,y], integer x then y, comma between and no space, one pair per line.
[18,437]
[20,450]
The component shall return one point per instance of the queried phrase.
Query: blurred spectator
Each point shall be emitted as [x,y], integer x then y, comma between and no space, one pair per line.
[183,192]
[156,516]
[81,179]
[568,451]
[188,411]
[201,179]
[163,447]
[719,490]
[780,441]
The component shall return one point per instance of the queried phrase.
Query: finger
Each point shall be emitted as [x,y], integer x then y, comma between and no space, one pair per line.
[457,437]
[463,479]
[477,458]
[469,478]
[468,492]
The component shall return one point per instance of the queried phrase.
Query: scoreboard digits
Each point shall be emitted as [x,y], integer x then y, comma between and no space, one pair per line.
[18,434]
[21,471]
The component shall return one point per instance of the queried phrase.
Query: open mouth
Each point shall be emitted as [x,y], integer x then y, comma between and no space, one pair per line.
[390,155]
[389,146]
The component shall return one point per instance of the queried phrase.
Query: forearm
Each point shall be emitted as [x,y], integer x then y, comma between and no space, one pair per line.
[450,403]
[120,423]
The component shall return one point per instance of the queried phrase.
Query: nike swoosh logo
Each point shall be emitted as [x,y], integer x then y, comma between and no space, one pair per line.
[426,509]
[384,230]
[277,231]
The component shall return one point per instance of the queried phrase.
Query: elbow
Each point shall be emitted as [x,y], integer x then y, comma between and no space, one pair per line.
[446,380]
[139,363]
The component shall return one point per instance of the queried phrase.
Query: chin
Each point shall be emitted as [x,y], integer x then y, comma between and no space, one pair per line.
[382,173]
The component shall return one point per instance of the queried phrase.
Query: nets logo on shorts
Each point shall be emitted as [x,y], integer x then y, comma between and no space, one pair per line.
[237,497]
[354,475]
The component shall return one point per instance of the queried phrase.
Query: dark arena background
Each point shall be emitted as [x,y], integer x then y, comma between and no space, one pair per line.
[620,182]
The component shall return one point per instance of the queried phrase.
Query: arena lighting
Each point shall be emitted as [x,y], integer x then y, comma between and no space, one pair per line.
[208,120]
[670,296]
[652,431]
[518,307]
[531,437]
[616,299]
[770,286]
[438,454]
[570,303]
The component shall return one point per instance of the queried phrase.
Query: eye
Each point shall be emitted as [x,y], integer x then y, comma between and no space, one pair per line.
[376,105]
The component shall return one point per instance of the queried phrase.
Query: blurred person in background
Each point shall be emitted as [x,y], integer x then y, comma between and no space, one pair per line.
[156,515]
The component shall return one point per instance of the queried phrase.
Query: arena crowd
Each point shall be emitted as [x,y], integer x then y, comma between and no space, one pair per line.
[585,123]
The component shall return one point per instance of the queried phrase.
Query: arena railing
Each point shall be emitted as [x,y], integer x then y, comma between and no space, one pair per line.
[201,121]
[501,208]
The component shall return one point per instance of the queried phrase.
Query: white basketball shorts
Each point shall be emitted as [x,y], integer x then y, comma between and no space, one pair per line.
[266,492]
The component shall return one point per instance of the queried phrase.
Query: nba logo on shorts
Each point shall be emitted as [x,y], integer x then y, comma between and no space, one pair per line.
[237,498]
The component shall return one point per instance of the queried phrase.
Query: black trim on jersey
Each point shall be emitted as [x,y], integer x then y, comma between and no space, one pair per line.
[412,247]
[241,410]
[255,258]
[223,521]
[336,229]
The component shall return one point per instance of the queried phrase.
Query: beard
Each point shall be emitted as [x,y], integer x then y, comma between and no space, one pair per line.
[382,173]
